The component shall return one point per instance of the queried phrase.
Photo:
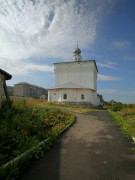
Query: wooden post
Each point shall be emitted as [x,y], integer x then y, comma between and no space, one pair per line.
[6,92]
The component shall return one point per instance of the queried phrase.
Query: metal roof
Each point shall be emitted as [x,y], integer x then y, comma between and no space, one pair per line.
[7,75]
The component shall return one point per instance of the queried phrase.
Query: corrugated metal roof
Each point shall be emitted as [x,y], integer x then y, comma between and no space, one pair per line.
[7,75]
[69,85]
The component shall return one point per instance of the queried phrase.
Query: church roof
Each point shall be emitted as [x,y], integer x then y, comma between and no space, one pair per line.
[69,85]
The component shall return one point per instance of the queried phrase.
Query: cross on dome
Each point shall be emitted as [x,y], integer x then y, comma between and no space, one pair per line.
[77,52]
[77,42]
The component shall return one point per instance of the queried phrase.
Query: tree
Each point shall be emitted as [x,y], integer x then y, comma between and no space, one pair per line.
[101,99]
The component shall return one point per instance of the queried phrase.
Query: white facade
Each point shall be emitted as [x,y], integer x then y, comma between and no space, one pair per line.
[24,89]
[75,82]
[83,73]
[74,96]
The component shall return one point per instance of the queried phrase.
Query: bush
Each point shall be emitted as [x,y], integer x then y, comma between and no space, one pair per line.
[117,107]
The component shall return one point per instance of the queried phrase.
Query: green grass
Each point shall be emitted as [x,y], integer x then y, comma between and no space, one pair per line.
[125,120]
[127,127]
[26,123]
[71,108]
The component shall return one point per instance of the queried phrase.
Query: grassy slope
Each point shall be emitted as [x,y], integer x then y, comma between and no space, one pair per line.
[125,120]
[26,123]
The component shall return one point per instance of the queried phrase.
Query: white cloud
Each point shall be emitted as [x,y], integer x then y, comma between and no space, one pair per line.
[119,95]
[116,91]
[112,91]
[47,28]
[130,58]
[104,65]
[102,77]
[109,64]
[112,63]
[22,68]
[35,67]
[122,45]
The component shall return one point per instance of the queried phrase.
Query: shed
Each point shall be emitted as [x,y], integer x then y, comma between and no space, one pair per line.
[3,88]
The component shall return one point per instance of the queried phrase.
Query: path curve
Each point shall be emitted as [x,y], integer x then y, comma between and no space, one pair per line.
[92,149]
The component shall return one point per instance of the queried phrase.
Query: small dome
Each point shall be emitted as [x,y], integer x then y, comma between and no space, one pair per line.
[77,51]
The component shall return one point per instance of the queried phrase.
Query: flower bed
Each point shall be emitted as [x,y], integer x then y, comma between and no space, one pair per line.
[24,126]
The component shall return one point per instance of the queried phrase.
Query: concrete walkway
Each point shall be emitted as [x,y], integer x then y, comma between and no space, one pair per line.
[92,149]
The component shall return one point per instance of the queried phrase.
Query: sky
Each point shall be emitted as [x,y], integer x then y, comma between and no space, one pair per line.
[34,34]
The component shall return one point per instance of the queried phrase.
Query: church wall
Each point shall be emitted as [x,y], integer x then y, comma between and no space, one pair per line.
[74,76]
[87,79]
[82,73]
[73,96]
[95,79]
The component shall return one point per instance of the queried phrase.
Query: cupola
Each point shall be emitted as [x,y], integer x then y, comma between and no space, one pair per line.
[77,54]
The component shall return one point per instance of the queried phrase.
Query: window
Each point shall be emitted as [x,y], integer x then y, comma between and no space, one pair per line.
[82,96]
[64,96]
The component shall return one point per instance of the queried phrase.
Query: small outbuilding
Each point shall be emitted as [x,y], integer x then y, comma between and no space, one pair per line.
[3,88]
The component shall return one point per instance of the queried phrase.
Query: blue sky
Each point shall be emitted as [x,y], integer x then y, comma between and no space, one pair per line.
[35,34]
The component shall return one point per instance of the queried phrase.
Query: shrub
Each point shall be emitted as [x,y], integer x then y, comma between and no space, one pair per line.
[117,107]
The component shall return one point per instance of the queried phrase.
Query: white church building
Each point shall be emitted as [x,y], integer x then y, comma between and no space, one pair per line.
[75,82]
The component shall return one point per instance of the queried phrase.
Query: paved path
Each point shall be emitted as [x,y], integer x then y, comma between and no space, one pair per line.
[92,149]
